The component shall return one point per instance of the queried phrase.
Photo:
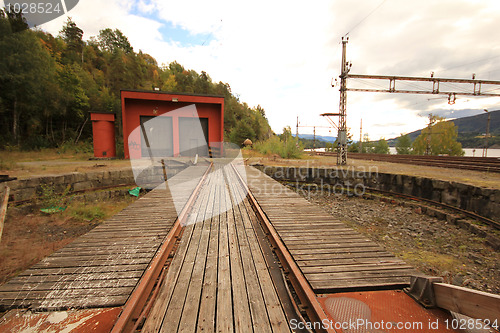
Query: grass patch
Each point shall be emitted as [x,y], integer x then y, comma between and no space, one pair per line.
[87,214]
[96,211]
[433,259]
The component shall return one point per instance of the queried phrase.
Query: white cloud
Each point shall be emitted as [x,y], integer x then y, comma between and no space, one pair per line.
[283,54]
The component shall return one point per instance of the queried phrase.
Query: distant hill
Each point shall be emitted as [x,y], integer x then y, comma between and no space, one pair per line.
[471,130]
[318,137]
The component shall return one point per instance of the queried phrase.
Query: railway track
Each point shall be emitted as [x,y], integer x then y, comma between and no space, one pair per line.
[315,306]
[464,212]
[485,164]
[220,274]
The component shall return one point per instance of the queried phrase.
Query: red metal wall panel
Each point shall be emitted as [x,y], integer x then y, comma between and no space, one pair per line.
[136,104]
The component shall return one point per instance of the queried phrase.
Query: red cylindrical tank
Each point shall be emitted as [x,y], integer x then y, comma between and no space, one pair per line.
[103,128]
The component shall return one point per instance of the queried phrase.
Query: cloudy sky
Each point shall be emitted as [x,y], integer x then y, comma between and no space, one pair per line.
[283,55]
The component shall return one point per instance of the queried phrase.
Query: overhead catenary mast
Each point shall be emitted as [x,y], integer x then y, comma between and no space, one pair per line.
[342,126]
[476,88]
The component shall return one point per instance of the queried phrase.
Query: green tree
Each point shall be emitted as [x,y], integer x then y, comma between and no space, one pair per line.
[113,40]
[403,145]
[73,37]
[439,138]
[48,85]
[242,132]
[24,73]
[381,147]
[353,148]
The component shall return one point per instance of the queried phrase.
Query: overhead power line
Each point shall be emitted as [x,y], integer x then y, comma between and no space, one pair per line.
[367,16]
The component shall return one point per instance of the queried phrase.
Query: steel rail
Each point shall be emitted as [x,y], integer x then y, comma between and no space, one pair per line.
[299,282]
[434,161]
[470,214]
[473,215]
[137,300]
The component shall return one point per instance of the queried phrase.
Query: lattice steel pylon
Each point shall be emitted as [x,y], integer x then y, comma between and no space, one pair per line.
[476,90]
[342,125]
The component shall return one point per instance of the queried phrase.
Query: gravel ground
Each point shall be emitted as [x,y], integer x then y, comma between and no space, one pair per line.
[433,246]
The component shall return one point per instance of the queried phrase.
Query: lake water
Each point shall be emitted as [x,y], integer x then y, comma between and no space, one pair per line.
[468,151]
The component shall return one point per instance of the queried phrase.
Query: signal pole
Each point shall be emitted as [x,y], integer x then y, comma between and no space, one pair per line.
[342,136]
[485,150]
[476,89]
[361,136]
[297,131]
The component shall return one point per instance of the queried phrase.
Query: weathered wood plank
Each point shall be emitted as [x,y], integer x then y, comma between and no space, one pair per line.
[224,316]
[325,249]
[207,312]
[191,237]
[260,320]
[472,303]
[194,255]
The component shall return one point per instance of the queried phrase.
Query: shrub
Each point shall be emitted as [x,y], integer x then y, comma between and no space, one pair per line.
[287,146]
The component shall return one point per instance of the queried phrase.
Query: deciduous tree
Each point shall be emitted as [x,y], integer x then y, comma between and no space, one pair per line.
[439,138]
[403,145]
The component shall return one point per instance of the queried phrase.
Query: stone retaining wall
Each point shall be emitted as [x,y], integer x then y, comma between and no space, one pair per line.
[26,189]
[481,200]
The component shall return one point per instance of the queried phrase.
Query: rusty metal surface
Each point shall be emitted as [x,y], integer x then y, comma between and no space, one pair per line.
[389,311]
[74,321]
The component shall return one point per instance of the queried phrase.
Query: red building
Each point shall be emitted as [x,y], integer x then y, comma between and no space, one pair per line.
[164,124]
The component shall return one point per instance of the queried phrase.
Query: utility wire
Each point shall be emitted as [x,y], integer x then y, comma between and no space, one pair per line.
[357,24]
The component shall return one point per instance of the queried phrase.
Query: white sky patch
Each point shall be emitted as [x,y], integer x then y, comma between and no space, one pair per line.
[284,54]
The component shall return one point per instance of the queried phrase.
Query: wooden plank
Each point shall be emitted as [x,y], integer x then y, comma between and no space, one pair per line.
[327,251]
[75,277]
[224,317]
[112,256]
[155,317]
[362,253]
[78,263]
[89,258]
[207,312]
[241,306]
[50,286]
[37,295]
[352,275]
[350,261]
[472,303]
[374,282]
[274,308]
[82,270]
[354,268]
[260,320]
[345,250]
[195,283]
[181,264]
[196,253]
[107,251]
[61,304]
[332,245]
